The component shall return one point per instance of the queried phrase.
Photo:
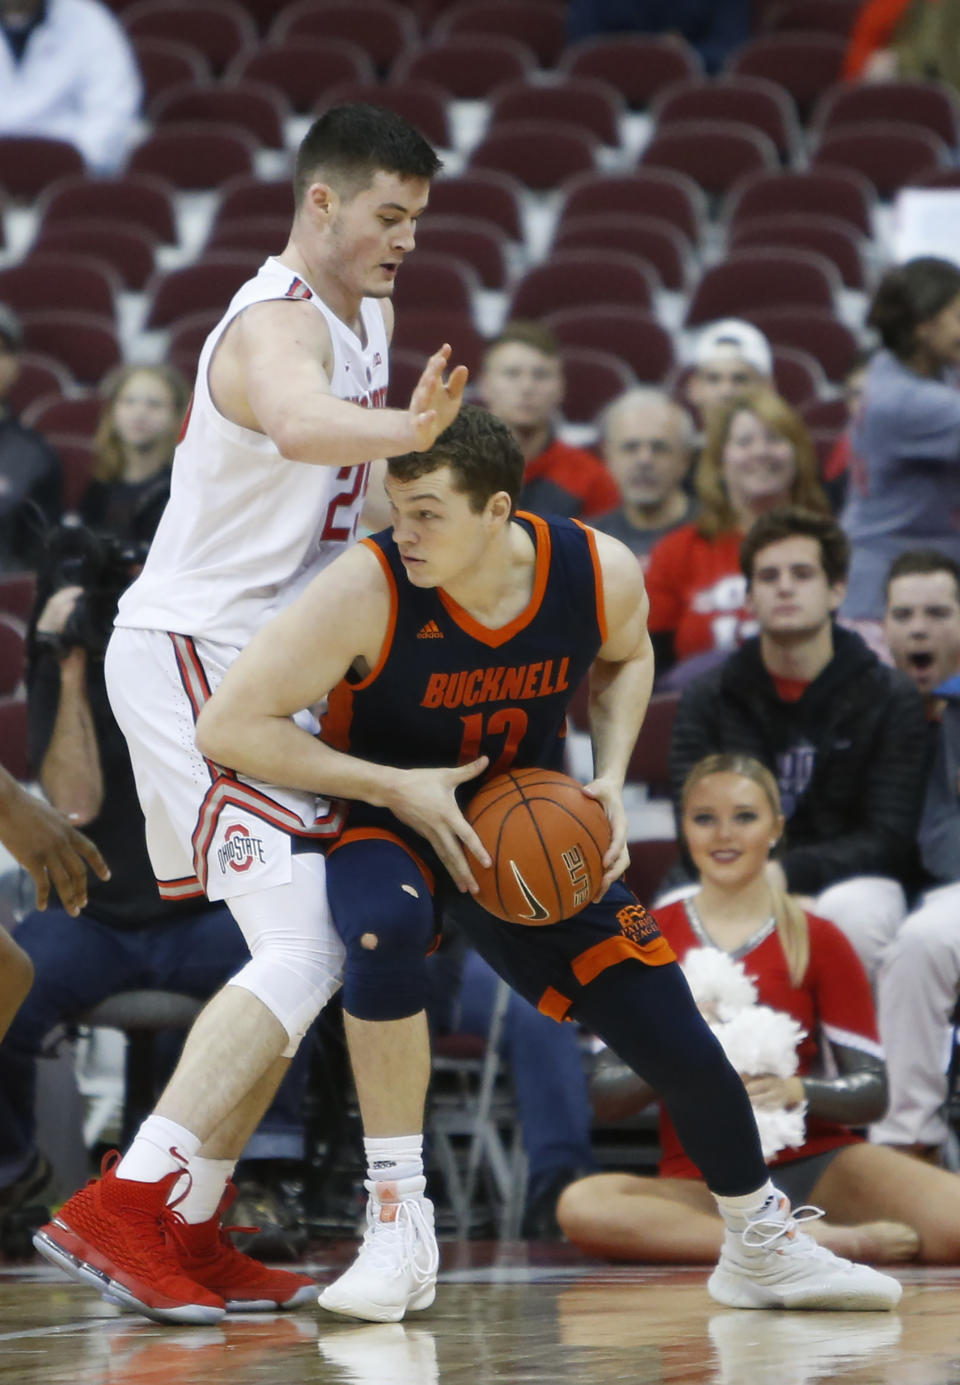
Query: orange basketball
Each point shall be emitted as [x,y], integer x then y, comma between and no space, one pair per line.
[546,841]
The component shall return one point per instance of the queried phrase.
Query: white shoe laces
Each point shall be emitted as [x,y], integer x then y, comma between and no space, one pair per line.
[394,1245]
[767,1230]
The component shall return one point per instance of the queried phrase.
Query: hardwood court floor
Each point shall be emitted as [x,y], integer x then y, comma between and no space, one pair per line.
[511,1314]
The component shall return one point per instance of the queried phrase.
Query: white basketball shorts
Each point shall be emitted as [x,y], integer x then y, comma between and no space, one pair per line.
[209,831]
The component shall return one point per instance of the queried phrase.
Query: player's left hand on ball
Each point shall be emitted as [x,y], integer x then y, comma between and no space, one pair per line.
[616,858]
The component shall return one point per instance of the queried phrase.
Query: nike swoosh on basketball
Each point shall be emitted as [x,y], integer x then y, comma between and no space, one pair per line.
[538,912]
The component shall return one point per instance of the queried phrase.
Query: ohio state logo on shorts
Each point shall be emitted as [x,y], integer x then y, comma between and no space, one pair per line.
[240,849]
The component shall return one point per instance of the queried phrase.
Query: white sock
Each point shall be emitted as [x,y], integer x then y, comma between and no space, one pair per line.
[399,1156]
[738,1211]
[208,1180]
[151,1156]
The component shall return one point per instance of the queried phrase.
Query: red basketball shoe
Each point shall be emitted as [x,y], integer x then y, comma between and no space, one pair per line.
[207,1257]
[116,1236]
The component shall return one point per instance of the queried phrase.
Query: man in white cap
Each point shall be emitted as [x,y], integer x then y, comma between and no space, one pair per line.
[731,358]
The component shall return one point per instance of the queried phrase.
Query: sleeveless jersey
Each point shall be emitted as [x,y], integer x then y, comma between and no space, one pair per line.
[447,689]
[245,528]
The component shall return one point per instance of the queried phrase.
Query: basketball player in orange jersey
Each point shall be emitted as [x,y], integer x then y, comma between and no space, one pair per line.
[268,482]
[465,630]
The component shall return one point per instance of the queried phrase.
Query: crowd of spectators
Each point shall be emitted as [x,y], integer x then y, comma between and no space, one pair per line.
[771,560]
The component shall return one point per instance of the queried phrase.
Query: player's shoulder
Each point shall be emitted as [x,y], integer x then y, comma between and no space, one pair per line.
[618,563]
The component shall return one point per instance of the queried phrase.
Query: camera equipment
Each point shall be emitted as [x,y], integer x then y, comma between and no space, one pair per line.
[103,565]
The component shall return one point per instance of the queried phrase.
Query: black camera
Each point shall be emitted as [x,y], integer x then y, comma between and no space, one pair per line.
[103,565]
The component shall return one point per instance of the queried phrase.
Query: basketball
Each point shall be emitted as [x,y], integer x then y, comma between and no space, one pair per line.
[546,842]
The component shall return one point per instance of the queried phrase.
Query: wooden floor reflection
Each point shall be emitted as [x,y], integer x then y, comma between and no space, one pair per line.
[533,1315]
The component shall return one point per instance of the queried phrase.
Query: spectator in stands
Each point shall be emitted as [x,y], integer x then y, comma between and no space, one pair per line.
[521,381]
[878,1205]
[714,27]
[31,478]
[647,442]
[546,1069]
[905,490]
[758,455]
[125,937]
[843,734]
[732,359]
[67,72]
[134,445]
[920,978]
[839,463]
[905,38]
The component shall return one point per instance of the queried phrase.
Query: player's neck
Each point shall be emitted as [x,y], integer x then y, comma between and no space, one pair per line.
[497,588]
[325,284]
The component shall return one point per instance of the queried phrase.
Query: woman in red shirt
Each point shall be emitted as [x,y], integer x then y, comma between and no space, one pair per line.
[758,455]
[878,1205]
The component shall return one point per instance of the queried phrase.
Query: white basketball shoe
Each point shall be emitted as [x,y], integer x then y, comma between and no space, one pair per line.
[396,1266]
[773,1264]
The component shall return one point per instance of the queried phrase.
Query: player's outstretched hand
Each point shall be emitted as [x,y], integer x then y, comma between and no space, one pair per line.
[45,844]
[616,858]
[436,401]
[426,801]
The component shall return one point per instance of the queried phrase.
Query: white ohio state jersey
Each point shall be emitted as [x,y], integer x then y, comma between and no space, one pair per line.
[245,528]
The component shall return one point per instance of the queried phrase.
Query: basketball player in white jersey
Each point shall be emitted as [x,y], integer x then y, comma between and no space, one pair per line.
[268,483]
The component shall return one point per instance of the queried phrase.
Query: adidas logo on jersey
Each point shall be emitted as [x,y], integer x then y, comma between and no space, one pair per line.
[431,631]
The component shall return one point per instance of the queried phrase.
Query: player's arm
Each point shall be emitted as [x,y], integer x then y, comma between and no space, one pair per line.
[272,373]
[621,681]
[339,622]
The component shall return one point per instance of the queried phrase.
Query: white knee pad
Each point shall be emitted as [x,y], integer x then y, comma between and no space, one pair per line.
[296,954]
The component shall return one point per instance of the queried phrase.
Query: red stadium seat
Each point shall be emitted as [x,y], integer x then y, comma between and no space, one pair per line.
[649,762]
[266,234]
[381,28]
[480,243]
[537,23]
[186,339]
[73,282]
[133,198]
[302,70]
[38,374]
[836,192]
[826,235]
[825,413]
[638,65]
[79,414]
[813,331]
[745,100]
[592,379]
[636,339]
[420,332]
[423,104]
[805,64]
[658,242]
[577,278]
[165,63]
[406,367]
[889,154]
[931,105]
[28,164]
[432,280]
[596,106]
[539,153]
[84,343]
[715,154]
[650,862]
[797,375]
[128,249]
[220,29]
[13,738]
[77,457]
[246,197]
[207,283]
[812,16]
[467,66]
[658,192]
[482,193]
[17,594]
[751,279]
[195,156]
[256,107]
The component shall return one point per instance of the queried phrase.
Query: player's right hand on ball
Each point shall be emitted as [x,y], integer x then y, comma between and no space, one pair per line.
[435,402]
[427,802]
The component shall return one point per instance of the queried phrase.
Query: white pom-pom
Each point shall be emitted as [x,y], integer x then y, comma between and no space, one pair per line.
[720,985]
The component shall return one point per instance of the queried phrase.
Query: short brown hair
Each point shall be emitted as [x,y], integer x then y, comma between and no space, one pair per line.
[350,144]
[791,521]
[921,562]
[479,449]
[716,512]
[526,333]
